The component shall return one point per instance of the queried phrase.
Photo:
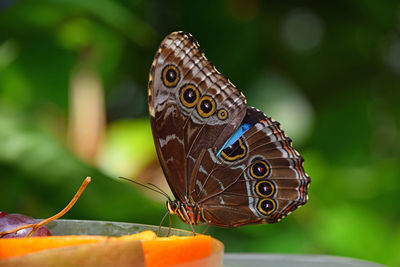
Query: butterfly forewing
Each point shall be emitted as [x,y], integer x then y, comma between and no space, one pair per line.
[192,107]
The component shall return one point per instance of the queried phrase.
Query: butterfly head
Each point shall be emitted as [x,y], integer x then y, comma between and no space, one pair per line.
[173,206]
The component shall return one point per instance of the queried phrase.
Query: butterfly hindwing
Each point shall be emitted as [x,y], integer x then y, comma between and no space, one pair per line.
[263,185]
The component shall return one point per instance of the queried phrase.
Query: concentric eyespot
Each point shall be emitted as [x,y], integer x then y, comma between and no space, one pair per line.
[189,95]
[266,206]
[260,169]
[222,114]
[234,152]
[265,188]
[206,106]
[170,76]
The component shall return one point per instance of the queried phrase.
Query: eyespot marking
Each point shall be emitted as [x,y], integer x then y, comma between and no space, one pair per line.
[266,206]
[189,95]
[170,75]
[265,188]
[222,114]
[234,152]
[260,169]
[206,106]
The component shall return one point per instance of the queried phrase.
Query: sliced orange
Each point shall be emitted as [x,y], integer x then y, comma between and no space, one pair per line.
[157,251]
[166,251]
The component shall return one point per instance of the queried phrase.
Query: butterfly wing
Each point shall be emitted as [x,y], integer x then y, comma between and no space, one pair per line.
[192,107]
[258,179]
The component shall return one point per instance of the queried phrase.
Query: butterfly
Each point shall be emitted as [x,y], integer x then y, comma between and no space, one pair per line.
[227,163]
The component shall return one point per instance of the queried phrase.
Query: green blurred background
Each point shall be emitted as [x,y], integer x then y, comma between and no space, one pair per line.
[73,103]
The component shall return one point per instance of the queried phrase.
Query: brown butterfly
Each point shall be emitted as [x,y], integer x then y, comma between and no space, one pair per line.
[226,163]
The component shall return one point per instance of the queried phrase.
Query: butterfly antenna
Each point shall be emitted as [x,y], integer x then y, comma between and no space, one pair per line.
[158,190]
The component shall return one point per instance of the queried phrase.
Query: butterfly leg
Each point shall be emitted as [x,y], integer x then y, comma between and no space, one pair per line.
[170,224]
[188,220]
[205,230]
[162,220]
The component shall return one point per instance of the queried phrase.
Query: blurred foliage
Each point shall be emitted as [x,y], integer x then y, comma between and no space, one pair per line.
[328,71]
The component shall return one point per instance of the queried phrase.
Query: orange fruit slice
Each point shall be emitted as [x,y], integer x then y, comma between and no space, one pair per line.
[156,251]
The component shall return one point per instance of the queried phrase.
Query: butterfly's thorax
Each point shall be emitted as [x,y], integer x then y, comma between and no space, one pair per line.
[187,212]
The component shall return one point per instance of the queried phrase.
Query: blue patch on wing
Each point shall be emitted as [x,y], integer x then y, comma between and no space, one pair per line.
[235,136]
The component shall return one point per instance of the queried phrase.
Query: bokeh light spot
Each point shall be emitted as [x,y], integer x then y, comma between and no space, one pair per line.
[302,30]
